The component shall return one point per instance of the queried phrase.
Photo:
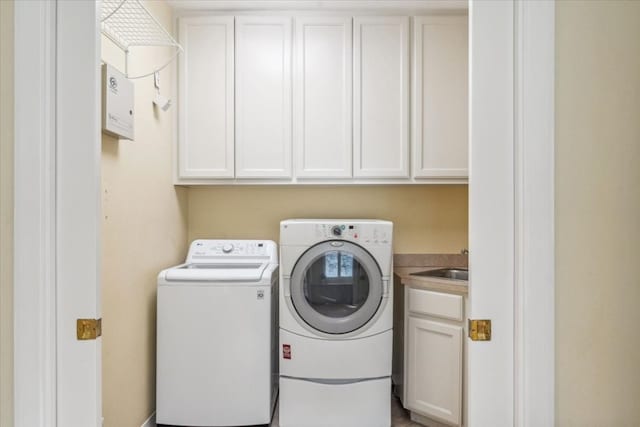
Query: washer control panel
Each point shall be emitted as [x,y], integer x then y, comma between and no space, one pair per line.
[231,249]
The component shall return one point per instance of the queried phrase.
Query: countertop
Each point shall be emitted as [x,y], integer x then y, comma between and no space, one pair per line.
[405,264]
[438,284]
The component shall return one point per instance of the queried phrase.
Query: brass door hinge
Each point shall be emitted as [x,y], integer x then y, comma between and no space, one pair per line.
[89,329]
[480,329]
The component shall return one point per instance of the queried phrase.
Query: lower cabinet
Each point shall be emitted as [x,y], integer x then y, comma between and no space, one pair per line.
[433,345]
[435,366]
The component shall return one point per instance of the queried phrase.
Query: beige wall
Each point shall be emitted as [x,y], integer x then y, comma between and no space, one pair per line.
[598,213]
[6,213]
[430,219]
[143,231]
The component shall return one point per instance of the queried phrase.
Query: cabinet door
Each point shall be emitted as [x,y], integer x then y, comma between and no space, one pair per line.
[381,97]
[263,97]
[205,102]
[440,97]
[434,378]
[322,97]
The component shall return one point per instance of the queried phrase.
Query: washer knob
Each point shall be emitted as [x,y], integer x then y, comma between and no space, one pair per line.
[336,230]
[228,247]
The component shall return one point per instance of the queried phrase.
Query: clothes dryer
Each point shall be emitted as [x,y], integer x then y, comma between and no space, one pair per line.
[336,323]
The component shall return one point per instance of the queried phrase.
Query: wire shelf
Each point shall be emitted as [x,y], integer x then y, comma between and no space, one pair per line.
[127,23]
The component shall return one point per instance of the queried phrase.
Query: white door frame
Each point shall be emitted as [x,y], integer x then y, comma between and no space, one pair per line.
[534,166]
[511,212]
[57,211]
[34,215]
[490,365]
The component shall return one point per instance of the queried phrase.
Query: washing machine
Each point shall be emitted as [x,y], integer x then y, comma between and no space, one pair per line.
[217,362]
[336,323]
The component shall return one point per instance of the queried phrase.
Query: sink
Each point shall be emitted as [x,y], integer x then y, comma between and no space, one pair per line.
[446,273]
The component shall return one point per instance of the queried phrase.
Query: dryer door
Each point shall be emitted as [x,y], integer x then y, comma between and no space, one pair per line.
[336,287]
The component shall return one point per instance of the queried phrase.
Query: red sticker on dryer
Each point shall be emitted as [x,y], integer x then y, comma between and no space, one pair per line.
[286,351]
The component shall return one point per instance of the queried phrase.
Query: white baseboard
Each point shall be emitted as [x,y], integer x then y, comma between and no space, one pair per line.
[150,422]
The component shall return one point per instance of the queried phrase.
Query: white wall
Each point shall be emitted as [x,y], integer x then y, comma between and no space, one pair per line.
[144,230]
[597,213]
[6,213]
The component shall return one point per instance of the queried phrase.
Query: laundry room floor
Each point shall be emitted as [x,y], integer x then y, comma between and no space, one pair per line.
[399,416]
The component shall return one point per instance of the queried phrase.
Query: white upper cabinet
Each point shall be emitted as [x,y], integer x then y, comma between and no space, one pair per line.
[381,97]
[205,121]
[322,97]
[263,97]
[440,97]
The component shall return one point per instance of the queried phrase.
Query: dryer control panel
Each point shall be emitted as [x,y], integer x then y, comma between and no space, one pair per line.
[357,232]
[308,232]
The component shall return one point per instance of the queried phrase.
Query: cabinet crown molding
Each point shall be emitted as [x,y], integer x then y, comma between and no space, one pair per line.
[385,5]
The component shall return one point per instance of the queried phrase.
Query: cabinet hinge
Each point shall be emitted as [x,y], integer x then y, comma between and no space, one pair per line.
[480,329]
[89,329]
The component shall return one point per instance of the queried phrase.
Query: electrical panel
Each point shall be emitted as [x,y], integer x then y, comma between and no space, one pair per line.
[117,103]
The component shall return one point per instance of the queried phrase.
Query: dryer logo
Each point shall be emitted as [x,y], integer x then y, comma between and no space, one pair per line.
[286,351]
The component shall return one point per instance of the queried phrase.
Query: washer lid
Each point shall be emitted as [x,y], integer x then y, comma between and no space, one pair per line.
[216,272]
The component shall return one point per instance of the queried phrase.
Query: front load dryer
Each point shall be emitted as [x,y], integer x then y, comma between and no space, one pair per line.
[217,335]
[335,323]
